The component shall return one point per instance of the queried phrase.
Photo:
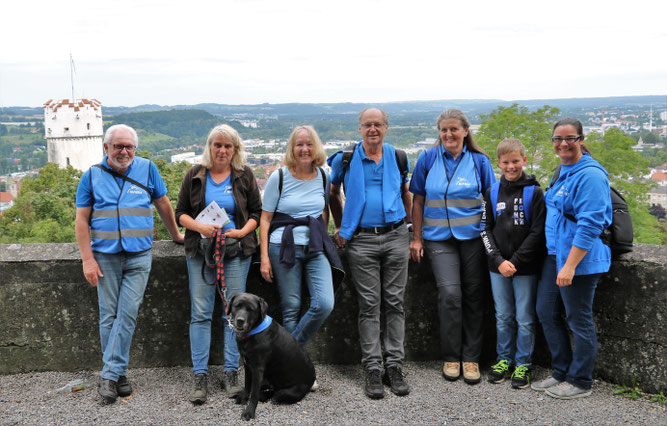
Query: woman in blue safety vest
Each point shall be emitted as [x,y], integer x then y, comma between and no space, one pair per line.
[448,184]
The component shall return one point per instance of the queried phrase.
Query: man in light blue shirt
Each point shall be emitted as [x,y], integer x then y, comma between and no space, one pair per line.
[372,224]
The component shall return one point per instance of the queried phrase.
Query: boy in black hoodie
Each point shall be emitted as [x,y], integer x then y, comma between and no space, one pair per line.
[513,236]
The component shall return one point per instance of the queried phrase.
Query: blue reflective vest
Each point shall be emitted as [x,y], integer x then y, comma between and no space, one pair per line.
[453,207]
[122,216]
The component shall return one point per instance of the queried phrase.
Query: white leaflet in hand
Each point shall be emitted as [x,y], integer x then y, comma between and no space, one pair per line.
[213,215]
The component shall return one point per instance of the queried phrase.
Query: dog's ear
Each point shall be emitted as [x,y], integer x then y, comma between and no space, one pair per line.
[263,307]
[230,303]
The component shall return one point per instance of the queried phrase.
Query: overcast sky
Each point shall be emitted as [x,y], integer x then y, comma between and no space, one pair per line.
[131,52]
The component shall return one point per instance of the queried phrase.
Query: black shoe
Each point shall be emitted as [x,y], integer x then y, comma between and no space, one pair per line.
[521,376]
[107,390]
[230,382]
[123,387]
[499,372]
[393,377]
[373,388]
[200,389]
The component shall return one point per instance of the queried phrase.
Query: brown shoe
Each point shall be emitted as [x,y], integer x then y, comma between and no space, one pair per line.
[471,373]
[451,370]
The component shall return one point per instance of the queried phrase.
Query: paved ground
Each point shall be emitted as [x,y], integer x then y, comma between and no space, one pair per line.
[160,397]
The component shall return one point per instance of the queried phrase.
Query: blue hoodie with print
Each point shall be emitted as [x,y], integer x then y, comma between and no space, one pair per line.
[582,190]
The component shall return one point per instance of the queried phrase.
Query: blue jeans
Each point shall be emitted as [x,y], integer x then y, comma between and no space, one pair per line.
[320,286]
[574,366]
[202,302]
[514,299]
[119,294]
[379,271]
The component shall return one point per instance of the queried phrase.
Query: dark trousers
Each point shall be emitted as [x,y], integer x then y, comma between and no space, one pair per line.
[572,365]
[460,270]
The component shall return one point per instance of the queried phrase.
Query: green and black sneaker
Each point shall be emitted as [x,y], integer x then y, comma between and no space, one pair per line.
[521,376]
[499,372]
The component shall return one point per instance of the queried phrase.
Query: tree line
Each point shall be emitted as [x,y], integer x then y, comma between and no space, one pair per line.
[44,210]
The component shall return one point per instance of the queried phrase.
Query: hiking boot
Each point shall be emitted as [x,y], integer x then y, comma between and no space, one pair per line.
[123,387]
[521,376]
[107,390]
[315,387]
[230,381]
[471,373]
[566,390]
[451,370]
[545,384]
[499,372]
[373,388]
[200,389]
[393,377]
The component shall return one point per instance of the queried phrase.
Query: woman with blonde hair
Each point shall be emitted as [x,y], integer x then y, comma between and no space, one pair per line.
[293,234]
[222,177]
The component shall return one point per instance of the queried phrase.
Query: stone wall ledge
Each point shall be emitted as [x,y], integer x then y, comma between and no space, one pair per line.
[50,317]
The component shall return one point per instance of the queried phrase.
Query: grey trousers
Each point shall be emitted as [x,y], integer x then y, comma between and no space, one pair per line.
[379,270]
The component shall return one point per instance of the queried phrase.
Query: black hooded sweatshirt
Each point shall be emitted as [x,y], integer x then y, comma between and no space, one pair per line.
[510,236]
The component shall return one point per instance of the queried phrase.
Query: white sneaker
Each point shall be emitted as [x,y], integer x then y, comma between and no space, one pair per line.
[567,391]
[545,384]
[315,386]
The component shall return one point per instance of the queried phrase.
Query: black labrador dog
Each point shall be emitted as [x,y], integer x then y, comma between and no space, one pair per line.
[273,359]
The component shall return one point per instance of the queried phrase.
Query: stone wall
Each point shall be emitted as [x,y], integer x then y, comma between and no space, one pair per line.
[50,317]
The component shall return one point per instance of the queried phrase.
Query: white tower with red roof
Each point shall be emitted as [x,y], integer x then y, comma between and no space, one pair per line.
[74,132]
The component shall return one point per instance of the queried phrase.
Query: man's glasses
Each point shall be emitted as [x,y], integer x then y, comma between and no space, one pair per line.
[119,148]
[369,125]
[569,139]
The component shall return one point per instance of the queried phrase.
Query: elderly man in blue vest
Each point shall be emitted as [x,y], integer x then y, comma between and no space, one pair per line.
[372,224]
[114,231]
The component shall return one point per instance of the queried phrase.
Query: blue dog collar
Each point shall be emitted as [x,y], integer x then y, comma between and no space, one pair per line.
[263,326]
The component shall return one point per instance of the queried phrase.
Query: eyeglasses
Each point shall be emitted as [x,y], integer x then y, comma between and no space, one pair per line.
[119,148]
[569,139]
[369,125]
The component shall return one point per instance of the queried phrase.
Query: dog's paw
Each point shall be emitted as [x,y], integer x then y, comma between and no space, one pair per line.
[241,398]
[248,414]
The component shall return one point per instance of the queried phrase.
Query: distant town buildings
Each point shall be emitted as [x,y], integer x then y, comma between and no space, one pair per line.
[74,132]
[658,195]
[188,157]
[6,201]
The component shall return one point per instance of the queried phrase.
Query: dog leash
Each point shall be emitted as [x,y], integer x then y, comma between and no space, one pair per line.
[218,239]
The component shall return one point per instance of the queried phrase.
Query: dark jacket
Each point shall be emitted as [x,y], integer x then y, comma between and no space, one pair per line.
[192,200]
[506,237]
[319,241]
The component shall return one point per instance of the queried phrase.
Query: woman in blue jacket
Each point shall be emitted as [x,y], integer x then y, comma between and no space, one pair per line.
[448,184]
[578,210]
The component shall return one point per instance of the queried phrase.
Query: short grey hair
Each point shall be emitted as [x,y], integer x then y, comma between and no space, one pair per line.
[108,136]
[385,116]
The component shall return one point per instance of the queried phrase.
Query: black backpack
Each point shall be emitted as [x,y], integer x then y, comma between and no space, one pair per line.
[618,236]
[401,160]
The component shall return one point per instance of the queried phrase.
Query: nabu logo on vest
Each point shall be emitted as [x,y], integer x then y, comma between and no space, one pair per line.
[461,181]
[134,190]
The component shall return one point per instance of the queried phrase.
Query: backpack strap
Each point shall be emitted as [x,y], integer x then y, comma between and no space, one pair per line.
[478,159]
[495,188]
[554,178]
[324,185]
[528,192]
[402,161]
